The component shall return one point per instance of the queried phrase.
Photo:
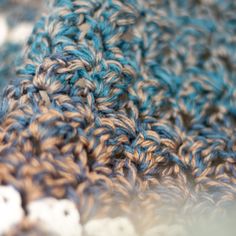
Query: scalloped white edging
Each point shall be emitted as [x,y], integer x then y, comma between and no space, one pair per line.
[61,217]
[3,30]
[20,33]
[57,217]
[167,230]
[120,226]
[11,212]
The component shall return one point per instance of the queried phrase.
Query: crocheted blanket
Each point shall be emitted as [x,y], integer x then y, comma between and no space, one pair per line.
[121,120]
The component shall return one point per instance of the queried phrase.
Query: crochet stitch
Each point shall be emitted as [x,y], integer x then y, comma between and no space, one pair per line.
[126,108]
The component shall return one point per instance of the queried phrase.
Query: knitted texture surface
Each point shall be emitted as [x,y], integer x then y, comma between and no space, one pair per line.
[126,108]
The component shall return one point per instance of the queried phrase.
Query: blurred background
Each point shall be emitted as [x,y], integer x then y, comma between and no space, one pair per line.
[17,18]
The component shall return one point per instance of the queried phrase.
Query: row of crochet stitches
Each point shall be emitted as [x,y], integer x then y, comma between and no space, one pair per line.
[128,104]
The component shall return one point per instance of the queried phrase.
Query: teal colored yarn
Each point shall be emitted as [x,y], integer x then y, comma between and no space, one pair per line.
[128,104]
[8,57]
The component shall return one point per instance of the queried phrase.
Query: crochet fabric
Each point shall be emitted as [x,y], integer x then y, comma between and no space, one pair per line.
[126,108]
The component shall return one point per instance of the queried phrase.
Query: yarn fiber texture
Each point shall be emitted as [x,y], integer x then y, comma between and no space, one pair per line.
[126,105]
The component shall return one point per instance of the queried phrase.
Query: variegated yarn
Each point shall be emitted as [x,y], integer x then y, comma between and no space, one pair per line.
[126,108]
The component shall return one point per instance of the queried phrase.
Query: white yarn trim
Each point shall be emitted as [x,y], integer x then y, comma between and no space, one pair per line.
[11,212]
[20,33]
[56,217]
[3,30]
[109,227]
[167,230]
